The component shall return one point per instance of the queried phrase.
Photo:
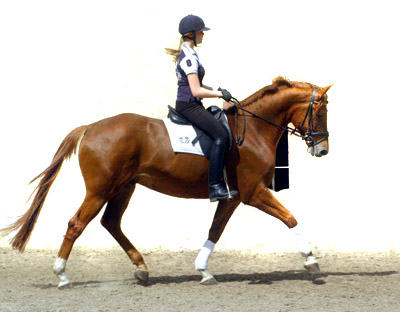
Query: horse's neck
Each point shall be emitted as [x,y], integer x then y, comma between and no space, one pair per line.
[273,108]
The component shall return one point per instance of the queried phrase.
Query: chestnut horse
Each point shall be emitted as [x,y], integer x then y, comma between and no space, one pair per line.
[118,152]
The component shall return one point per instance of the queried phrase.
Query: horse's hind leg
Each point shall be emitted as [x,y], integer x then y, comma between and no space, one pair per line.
[111,220]
[88,210]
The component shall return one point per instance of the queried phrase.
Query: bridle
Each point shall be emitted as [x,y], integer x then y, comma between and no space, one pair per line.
[308,137]
[310,129]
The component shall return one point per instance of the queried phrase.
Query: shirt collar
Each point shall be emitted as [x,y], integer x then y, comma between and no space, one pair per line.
[189,49]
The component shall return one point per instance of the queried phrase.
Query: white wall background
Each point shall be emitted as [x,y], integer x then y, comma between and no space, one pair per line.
[68,63]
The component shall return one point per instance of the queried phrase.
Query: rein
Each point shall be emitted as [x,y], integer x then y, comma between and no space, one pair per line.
[308,137]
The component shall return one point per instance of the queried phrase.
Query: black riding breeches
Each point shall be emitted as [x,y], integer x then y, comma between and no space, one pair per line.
[202,119]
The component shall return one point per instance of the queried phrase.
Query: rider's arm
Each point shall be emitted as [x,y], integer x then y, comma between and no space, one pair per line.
[204,91]
[199,91]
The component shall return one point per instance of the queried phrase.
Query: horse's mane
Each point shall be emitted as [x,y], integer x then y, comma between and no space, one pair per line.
[277,84]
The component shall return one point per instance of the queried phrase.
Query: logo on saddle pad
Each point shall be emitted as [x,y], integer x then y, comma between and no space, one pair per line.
[185,138]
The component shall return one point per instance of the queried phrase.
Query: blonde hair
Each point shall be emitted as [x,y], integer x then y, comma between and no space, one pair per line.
[176,52]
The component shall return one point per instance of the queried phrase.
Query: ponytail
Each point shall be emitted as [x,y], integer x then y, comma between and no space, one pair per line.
[175,52]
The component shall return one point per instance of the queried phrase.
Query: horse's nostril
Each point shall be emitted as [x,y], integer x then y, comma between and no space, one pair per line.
[323,152]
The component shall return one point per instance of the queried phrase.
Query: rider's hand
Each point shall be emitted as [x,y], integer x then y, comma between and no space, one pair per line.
[227,105]
[225,94]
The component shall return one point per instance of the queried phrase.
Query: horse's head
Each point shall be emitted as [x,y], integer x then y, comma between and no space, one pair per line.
[309,116]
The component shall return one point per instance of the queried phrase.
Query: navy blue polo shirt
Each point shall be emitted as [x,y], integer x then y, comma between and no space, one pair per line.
[188,63]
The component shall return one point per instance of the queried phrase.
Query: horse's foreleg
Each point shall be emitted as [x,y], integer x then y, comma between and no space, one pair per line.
[111,220]
[264,200]
[222,215]
[88,210]
[305,249]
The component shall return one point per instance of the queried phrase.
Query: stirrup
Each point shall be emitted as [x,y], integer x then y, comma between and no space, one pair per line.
[218,192]
[227,186]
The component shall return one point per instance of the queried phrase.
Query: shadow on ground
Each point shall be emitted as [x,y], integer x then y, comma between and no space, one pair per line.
[255,278]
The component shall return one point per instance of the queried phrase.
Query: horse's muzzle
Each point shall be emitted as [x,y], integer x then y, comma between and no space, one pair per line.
[319,150]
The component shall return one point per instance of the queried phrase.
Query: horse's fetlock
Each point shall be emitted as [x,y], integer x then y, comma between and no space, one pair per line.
[59,266]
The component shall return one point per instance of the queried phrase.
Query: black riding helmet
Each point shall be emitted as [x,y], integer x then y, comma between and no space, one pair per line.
[191,24]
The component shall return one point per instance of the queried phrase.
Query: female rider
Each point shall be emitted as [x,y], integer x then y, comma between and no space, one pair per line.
[191,91]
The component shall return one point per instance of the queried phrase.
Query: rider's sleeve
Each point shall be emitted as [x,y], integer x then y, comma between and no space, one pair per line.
[189,65]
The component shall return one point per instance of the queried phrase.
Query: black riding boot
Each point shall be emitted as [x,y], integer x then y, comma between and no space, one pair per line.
[217,188]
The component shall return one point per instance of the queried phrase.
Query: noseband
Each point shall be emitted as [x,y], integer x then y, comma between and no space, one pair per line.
[308,137]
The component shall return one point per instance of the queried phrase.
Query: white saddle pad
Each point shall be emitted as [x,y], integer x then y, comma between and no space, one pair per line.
[181,138]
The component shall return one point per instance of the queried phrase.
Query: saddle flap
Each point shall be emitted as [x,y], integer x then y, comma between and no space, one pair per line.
[218,114]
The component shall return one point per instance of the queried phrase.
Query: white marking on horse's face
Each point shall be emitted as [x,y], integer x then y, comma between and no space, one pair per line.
[319,150]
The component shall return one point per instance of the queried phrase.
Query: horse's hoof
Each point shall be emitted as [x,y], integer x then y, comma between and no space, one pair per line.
[64,285]
[311,265]
[142,276]
[207,279]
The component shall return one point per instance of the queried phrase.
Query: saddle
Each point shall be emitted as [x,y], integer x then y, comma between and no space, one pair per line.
[204,140]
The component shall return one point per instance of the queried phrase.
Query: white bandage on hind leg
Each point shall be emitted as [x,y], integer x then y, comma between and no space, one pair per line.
[204,255]
[59,270]
[59,266]
[303,244]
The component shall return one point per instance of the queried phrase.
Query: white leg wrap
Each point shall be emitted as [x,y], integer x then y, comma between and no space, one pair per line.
[59,270]
[204,255]
[311,265]
[302,243]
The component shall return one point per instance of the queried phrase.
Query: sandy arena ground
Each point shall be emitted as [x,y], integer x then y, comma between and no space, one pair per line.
[68,64]
[103,281]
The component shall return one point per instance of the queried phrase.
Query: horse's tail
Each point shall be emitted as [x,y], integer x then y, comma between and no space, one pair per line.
[27,222]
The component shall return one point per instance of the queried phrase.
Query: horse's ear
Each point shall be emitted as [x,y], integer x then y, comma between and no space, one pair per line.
[325,89]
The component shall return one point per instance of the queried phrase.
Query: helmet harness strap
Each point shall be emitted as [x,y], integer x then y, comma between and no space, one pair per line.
[191,38]
[194,38]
